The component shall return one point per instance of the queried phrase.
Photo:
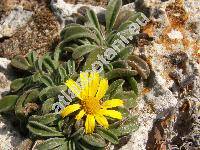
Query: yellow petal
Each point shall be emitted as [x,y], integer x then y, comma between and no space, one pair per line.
[84,77]
[80,115]
[111,113]
[102,120]
[74,87]
[93,83]
[89,124]
[103,86]
[112,103]
[69,109]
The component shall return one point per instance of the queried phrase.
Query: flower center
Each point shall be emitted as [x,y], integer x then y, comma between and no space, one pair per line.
[91,105]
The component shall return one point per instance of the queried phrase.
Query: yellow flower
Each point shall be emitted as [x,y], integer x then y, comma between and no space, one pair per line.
[90,93]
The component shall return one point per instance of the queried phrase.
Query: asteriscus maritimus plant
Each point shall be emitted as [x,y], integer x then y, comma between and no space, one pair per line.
[90,95]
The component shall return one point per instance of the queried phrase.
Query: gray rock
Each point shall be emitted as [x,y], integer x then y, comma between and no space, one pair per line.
[9,137]
[16,19]
[4,76]
[66,12]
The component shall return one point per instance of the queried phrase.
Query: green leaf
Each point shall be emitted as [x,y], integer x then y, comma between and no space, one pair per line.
[47,106]
[93,19]
[77,32]
[124,53]
[125,24]
[51,144]
[110,36]
[127,126]
[129,97]
[71,145]
[57,52]
[64,146]
[27,97]
[78,134]
[133,84]
[124,111]
[94,140]
[120,64]
[83,50]
[62,73]
[113,88]
[32,57]
[92,58]
[140,65]
[106,134]
[71,67]
[49,64]
[120,73]
[17,84]
[7,103]
[123,16]
[62,33]
[45,119]
[112,13]
[46,80]
[50,92]
[36,77]
[38,64]
[42,130]
[20,62]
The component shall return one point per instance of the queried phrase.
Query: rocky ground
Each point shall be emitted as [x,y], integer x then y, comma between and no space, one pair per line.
[169,105]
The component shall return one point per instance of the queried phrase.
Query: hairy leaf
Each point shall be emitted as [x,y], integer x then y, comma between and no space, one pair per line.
[120,73]
[20,62]
[106,134]
[140,65]
[114,87]
[51,143]
[77,32]
[47,105]
[45,79]
[42,130]
[127,126]
[93,19]
[45,119]
[112,13]
[7,103]
[83,50]
[94,140]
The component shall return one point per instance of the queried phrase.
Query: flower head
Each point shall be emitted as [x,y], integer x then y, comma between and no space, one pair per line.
[90,95]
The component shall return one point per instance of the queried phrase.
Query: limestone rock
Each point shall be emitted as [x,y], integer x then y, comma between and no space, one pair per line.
[16,19]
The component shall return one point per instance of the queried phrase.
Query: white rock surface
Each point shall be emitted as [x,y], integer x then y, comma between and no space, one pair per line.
[64,11]
[9,138]
[139,138]
[16,19]
[4,81]
[159,96]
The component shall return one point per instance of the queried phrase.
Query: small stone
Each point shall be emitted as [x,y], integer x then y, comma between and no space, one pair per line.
[174,34]
[15,20]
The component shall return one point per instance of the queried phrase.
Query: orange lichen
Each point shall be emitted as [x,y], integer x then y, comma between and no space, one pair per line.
[177,15]
[145,91]
[149,28]
[196,48]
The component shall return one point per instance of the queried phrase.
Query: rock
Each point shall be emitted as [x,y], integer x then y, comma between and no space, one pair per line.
[139,138]
[5,76]
[9,137]
[66,12]
[173,57]
[40,34]
[15,20]
[88,2]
